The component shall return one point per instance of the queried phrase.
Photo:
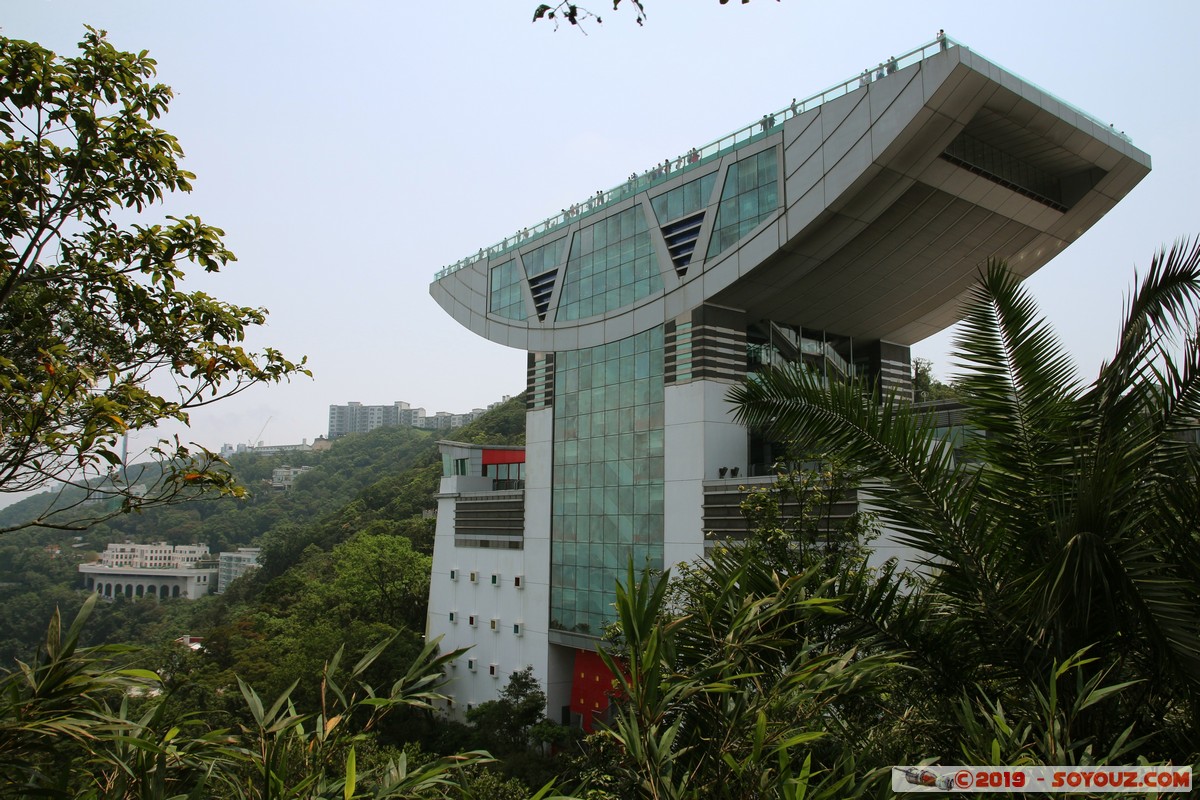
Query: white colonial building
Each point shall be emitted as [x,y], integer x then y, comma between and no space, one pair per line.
[151,570]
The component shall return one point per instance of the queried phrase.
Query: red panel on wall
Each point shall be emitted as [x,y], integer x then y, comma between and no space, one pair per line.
[503,457]
[591,685]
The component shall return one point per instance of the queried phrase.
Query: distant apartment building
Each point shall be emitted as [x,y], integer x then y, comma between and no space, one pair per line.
[232,566]
[151,570]
[319,444]
[284,477]
[444,420]
[357,418]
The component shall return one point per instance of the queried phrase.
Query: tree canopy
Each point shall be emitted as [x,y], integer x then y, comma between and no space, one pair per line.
[98,335]
[1066,535]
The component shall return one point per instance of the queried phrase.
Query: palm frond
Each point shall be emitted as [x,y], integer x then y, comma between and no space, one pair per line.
[1165,302]
[922,491]
[1020,386]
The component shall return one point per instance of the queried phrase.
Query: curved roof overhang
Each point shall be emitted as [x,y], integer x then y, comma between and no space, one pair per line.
[894,196]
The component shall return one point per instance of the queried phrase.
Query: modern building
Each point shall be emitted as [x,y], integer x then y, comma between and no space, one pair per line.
[232,566]
[833,234]
[284,477]
[320,443]
[444,420]
[357,418]
[151,570]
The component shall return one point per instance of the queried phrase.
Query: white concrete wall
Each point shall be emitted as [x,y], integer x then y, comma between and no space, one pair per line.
[503,601]
[700,438]
[558,690]
[126,581]
[539,444]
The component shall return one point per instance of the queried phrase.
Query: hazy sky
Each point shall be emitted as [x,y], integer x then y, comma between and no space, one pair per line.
[351,149]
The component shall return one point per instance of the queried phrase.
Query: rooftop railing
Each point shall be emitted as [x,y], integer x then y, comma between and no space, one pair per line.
[699,156]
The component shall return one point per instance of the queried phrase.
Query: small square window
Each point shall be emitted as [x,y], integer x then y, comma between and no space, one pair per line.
[471,620]
[471,664]
[495,624]
[453,574]
[474,576]
[516,629]
[494,670]
[453,615]
[519,581]
[495,579]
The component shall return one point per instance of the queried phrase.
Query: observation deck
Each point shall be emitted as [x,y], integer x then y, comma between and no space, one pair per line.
[865,210]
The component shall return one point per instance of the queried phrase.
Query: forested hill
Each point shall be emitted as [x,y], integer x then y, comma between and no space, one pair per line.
[365,487]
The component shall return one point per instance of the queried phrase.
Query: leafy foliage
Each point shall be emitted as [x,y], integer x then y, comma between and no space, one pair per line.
[928,388]
[508,722]
[1069,527]
[723,696]
[273,626]
[798,523]
[93,312]
[62,736]
[64,723]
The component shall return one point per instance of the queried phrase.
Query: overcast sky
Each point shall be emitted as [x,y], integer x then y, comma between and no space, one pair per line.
[352,149]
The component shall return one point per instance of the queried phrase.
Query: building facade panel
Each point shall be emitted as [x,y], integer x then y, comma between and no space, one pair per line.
[607,501]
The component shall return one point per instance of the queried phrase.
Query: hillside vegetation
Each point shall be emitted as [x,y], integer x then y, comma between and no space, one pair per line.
[359,511]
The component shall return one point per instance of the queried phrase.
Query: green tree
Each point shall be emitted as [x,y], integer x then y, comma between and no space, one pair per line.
[719,693]
[807,518]
[1071,525]
[379,576]
[97,334]
[506,723]
[926,387]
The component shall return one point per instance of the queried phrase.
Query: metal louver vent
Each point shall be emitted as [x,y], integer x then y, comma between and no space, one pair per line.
[681,238]
[542,287]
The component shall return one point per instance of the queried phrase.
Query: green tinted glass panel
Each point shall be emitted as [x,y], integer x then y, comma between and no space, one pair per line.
[608,470]
[506,299]
[684,200]
[612,264]
[750,195]
[544,258]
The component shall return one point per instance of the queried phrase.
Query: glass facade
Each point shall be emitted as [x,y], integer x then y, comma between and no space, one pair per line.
[505,472]
[544,258]
[684,200]
[750,194]
[454,466]
[608,475]
[506,299]
[611,265]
